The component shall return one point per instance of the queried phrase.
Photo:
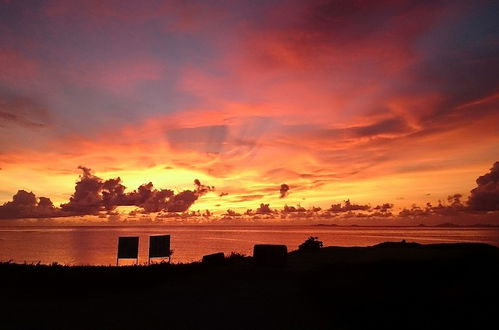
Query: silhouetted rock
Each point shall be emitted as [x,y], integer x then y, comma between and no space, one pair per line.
[214,259]
[270,255]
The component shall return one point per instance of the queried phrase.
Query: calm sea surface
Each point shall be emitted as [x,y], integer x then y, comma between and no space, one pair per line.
[96,245]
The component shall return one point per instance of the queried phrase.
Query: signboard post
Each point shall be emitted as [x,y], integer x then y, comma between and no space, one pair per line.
[159,247]
[128,248]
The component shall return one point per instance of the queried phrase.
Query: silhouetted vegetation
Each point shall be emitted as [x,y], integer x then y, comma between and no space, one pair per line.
[236,256]
[311,244]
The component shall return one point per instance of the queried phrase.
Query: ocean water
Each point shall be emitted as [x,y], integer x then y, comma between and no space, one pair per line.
[96,245]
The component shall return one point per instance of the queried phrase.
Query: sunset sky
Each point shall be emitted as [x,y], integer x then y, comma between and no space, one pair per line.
[372,101]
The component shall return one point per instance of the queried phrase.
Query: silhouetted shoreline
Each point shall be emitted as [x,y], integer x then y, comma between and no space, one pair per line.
[440,225]
[389,285]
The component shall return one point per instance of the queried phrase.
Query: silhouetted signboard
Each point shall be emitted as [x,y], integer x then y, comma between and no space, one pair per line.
[270,255]
[159,246]
[128,248]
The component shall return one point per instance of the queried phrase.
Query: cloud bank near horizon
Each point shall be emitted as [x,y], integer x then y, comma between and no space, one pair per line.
[94,195]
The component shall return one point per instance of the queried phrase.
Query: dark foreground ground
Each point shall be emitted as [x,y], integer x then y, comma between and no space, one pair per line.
[391,285]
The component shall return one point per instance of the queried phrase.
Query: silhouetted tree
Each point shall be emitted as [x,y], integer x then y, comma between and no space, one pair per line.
[311,244]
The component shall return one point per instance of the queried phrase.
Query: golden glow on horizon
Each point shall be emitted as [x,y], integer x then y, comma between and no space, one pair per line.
[246,190]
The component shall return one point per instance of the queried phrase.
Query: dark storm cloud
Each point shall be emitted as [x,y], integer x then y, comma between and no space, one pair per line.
[348,206]
[453,207]
[485,197]
[293,209]
[87,198]
[283,190]
[158,201]
[146,197]
[92,194]
[202,189]
[24,198]
[181,201]
[140,195]
[385,207]
[263,209]
[25,205]
[113,193]
[382,210]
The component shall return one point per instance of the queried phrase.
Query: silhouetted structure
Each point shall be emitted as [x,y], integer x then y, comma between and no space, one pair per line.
[270,255]
[159,247]
[214,259]
[128,248]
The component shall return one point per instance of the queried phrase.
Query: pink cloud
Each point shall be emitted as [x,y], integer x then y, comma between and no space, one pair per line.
[120,75]
[16,67]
